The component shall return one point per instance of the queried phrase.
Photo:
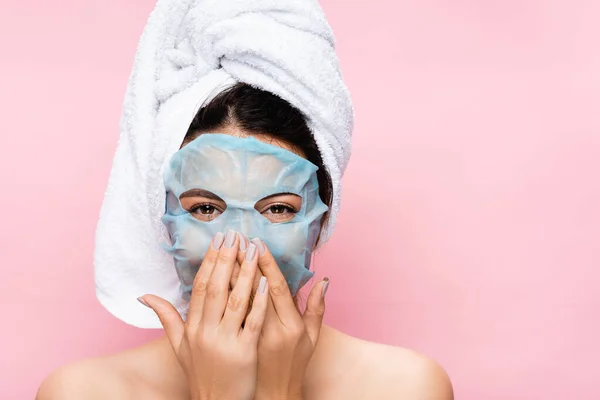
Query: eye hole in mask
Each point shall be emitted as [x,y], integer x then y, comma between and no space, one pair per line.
[206,206]
[202,204]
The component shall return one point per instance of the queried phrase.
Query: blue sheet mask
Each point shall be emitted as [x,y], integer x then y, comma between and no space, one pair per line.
[242,171]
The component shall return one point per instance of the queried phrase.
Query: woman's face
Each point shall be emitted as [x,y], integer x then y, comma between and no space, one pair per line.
[257,186]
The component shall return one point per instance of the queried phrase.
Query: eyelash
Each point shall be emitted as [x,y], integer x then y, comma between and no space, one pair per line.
[287,207]
[198,206]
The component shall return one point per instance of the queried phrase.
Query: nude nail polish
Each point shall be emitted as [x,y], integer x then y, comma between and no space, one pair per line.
[325,287]
[230,238]
[141,300]
[251,252]
[217,241]
[243,243]
[262,284]
[259,245]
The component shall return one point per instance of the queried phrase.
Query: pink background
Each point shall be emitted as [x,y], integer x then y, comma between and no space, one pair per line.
[470,225]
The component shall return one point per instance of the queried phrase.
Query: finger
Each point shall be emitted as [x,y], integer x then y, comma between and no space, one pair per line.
[271,319]
[271,316]
[239,298]
[315,309]
[278,287]
[243,245]
[217,291]
[255,320]
[169,318]
[235,273]
[257,276]
[201,280]
[240,259]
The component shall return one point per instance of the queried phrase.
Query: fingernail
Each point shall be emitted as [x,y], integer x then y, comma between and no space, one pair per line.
[325,287]
[243,243]
[217,241]
[143,302]
[251,252]
[258,243]
[230,238]
[262,284]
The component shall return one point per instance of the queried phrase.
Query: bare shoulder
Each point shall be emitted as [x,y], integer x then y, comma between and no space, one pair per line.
[408,374]
[92,379]
[380,371]
[120,376]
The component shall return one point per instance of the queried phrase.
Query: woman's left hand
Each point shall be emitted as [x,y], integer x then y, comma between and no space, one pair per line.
[288,338]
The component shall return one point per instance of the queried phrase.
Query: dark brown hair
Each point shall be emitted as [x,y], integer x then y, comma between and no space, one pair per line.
[262,112]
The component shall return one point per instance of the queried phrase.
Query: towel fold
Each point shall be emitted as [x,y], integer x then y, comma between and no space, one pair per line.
[189,52]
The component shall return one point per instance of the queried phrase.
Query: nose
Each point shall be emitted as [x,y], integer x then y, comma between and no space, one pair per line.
[248,223]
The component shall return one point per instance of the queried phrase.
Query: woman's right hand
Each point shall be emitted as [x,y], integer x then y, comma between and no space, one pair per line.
[218,356]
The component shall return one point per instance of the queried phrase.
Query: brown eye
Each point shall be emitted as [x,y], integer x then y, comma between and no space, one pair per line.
[202,204]
[279,209]
[205,211]
[279,213]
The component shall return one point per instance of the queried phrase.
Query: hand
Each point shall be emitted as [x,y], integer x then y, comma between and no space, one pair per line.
[218,356]
[288,339]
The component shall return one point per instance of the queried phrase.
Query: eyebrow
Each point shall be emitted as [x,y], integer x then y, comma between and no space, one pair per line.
[279,194]
[201,193]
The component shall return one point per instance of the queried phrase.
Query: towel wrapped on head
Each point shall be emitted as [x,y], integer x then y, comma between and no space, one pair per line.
[188,53]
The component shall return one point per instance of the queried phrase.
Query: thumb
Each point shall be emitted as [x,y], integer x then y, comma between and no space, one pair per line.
[169,318]
[315,309]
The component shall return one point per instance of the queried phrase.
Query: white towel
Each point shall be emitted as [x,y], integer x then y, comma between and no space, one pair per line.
[189,52]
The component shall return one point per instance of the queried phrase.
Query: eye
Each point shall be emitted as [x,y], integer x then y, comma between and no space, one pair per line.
[280,207]
[279,212]
[205,211]
[202,204]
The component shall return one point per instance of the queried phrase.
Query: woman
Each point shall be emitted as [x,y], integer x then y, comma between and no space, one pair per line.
[228,350]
